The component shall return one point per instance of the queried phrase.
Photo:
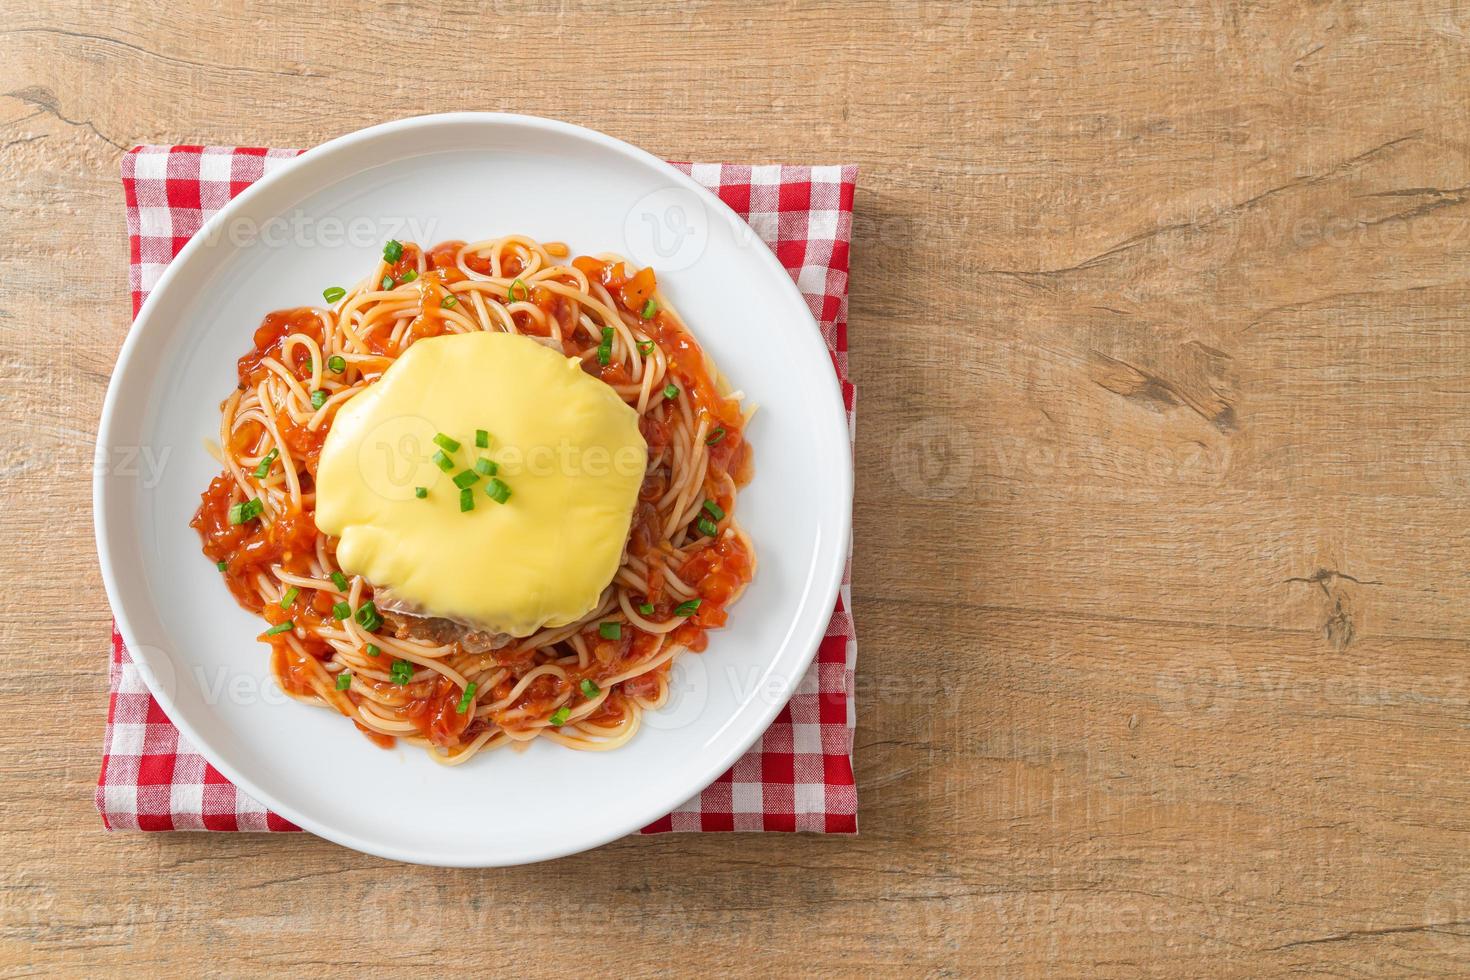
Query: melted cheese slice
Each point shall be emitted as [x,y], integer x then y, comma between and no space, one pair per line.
[566,445]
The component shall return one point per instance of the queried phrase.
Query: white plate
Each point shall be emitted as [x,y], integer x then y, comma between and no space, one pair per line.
[464,175]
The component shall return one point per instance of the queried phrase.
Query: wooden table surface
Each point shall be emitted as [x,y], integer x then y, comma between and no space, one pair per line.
[1158,323]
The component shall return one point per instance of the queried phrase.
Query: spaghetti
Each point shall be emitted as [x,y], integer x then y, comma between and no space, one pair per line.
[583,685]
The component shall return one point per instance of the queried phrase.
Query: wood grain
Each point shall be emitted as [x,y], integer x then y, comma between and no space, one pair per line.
[1158,321]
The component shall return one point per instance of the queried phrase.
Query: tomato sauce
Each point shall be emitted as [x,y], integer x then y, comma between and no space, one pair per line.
[269,338]
[291,670]
[717,573]
[430,321]
[253,546]
[443,258]
[437,715]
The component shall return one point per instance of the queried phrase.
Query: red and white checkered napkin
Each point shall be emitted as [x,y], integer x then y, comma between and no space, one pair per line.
[798,776]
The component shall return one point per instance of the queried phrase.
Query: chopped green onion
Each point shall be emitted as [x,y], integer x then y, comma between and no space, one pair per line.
[466,478]
[671,391]
[409,276]
[707,526]
[510,292]
[715,437]
[280,628]
[246,510]
[559,718]
[393,251]
[686,608]
[344,680]
[604,349]
[341,610]
[464,701]
[368,618]
[649,309]
[486,467]
[449,300]
[337,363]
[466,500]
[401,672]
[714,510]
[497,490]
[289,597]
[646,609]
[610,631]
[442,461]
[421,492]
[333,293]
[318,398]
[373,649]
[221,565]
[340,581]
[447,444]
[482,439]
[645,347]
[264,468]
[590,688]
[387,282]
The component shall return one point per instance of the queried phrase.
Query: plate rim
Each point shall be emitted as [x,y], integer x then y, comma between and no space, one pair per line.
[828,581]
